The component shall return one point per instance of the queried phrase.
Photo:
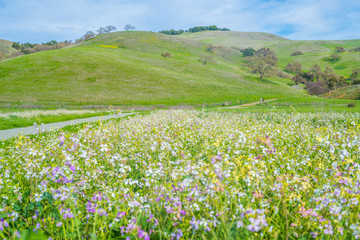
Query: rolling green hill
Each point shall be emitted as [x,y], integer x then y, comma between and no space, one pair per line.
[315,52]
[127,68]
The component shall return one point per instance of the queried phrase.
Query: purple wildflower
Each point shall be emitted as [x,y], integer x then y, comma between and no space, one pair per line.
[150,217]
[194,223]
[255,225]
[72,168]
[17,234]
[38,225]
[169,209]
[102,212]
[142,234]
[67,213]
[97,196]
[91,207]
[61,139]
[120,215]
[314,234]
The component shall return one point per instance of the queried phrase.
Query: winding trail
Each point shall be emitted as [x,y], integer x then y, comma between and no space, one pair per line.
[253,103]
[9,133]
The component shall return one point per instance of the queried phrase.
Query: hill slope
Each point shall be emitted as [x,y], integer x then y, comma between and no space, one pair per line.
[231,38]
[315,52]
[127,68]
[6,47]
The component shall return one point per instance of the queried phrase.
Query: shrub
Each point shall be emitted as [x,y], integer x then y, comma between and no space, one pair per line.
[296,53]
[317,88]
[293,67]
[334,57]
[352,104]
[206,59]
[339,49]
[298,79]
[356,81]
[248,52]
[172,32]
[166,55]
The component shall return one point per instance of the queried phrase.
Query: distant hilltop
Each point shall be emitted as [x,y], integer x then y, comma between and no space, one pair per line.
[194,30]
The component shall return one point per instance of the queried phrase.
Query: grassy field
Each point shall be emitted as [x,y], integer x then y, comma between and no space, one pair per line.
[10,118]
[289,106]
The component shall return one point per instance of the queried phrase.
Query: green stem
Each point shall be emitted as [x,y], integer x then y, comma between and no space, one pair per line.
[64,231]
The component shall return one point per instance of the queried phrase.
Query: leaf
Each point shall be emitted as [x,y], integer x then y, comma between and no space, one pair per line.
[17,208]
[25,235]
[40,235]
[47,196]
[30,207]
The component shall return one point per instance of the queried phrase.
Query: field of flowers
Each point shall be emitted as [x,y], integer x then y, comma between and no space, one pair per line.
[187,175]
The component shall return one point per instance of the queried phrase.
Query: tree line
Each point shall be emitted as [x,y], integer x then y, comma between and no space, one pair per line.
[317,80]
[194,29]
[27,48]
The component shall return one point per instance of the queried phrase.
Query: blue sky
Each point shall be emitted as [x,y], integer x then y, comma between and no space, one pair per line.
[45,20]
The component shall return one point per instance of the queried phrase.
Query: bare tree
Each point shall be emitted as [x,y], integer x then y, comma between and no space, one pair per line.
[107,29]
[89,35]
[129,27]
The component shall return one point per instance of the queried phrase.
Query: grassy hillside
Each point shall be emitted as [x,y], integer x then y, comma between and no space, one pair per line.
[238,39]
[5,47]
[127,68]
[315,52]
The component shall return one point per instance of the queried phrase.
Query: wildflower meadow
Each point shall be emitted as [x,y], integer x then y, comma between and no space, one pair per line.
[186,175]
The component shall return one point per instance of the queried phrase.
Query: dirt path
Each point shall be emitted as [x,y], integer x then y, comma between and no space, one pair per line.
[253,103]
[9,133]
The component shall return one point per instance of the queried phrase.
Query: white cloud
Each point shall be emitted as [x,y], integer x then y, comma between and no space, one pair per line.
[42,20]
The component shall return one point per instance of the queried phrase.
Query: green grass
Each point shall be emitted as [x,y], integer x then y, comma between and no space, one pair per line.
[134,73]
[315,52]
[126,68]
[297,105]
[17,119]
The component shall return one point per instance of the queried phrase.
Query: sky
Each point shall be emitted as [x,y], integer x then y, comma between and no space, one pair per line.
[40,21]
